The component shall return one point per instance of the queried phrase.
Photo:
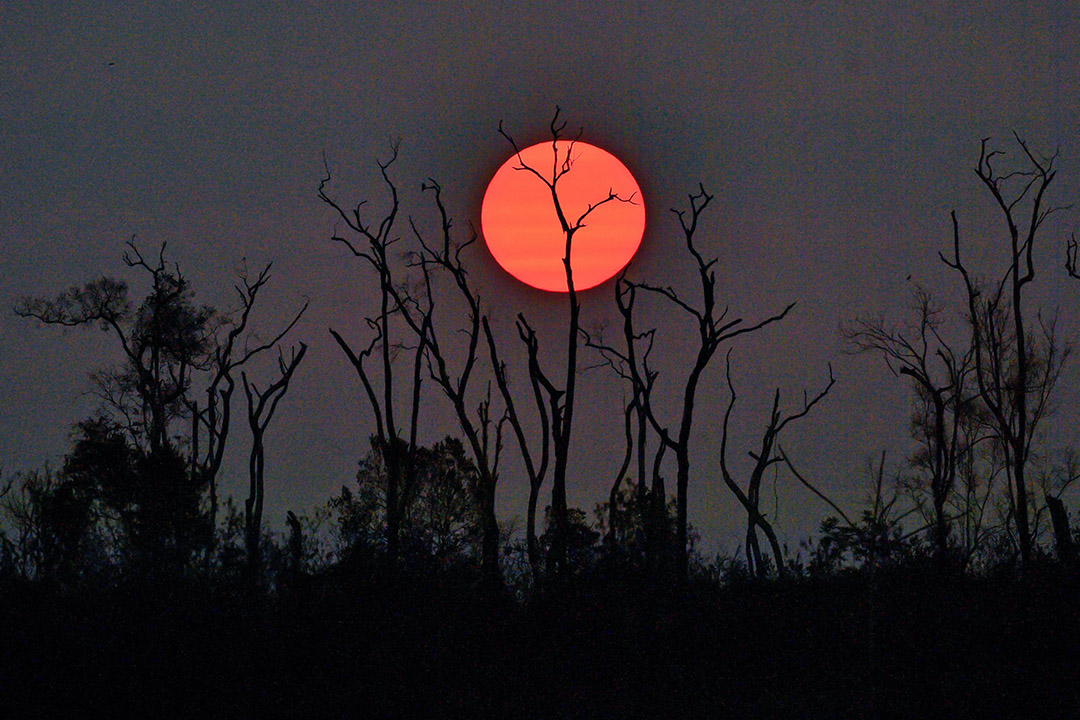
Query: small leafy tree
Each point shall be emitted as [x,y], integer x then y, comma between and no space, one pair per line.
[625,524]
[441,521]
[54,520]
[874,540]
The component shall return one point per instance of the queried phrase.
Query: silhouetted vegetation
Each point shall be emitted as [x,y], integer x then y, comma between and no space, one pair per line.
[126,583]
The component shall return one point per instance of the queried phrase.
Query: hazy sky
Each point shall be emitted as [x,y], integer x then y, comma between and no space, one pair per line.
[835,137]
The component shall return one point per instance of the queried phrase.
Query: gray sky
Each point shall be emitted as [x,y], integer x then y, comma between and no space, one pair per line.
[835,137]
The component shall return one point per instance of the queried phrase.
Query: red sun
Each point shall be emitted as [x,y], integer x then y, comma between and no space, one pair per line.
[522,229]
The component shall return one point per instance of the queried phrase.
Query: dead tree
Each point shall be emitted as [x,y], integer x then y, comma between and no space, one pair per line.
[296,545]
[1016,364]
[482,429]
[613,509]
[483,434]
[767,455]
[215,417]
[944,402]
[631,364]
[1059,518]
[261,405]
[560,399]
[537,461]
[397,448]
[714,328]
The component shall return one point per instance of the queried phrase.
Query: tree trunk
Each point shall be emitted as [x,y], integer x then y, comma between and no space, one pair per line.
[489,561]
[253,509]
[1063,541]
[533,546]
[681,531]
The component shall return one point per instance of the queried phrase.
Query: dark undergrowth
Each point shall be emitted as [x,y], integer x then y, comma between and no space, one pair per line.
[896,643]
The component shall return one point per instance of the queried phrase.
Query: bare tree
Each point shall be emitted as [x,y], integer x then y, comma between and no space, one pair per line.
[612,535]
[418,308]
[536,460]
[560,399]
[714,328]
[766,456]
[1017,364]
[483,434]
[261,405]
[216,416]
[944,403]
[631,364]
[398,449]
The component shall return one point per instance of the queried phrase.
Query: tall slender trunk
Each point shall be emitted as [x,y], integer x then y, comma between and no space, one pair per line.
[253,507]
[682,538]
[564,423]
[489,550]
[1020,439]
[533,544]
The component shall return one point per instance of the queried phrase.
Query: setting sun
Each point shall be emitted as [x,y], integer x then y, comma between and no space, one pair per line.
[522,230]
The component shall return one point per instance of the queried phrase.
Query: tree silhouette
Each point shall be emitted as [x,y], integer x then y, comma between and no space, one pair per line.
[101,598]
[164,341]
[261,405]
[873,541]
[131,454]
[55,521]
[560,400]
[945,403]
[398,451]
[650,501]
[419,310]
[1017,365]
[767,455]
[440,519]
[714,328]
[227,358]
[1071,249]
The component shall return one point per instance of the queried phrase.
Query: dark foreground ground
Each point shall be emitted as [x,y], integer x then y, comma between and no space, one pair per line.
[895,646]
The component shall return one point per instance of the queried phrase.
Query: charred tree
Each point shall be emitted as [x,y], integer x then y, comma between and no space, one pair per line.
[483,434]
[630,363]
[214,419]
